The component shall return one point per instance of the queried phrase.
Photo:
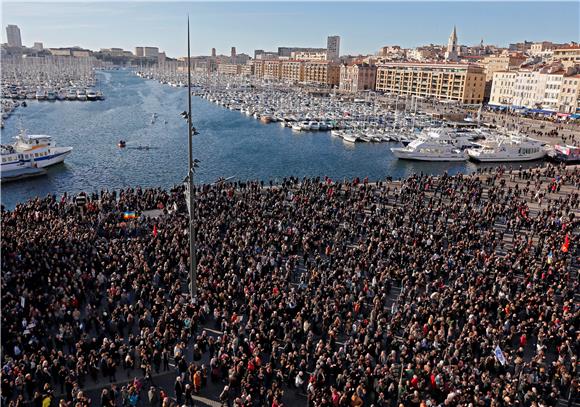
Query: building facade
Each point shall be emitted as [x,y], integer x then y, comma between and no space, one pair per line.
[464,83]
[147,52]
[247,69]
[502,89]
[308,55]
[293,71]
[569,55]
[13,36]
[322,73]
[357,77]
[229,69]
[569,98]
[546,90]
[272,69]
[502,62]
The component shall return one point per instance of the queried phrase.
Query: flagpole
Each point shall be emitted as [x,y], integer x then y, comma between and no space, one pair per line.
[192,249]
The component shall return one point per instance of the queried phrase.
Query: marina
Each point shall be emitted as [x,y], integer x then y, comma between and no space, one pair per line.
[47,79]
[233,144]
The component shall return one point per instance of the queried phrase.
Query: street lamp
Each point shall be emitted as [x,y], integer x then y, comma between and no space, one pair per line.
[189,191]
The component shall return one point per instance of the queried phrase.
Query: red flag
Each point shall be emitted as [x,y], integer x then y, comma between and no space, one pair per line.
[155,230]
[566,244]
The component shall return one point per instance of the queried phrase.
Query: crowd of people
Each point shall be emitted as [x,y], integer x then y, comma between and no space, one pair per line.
[429,291]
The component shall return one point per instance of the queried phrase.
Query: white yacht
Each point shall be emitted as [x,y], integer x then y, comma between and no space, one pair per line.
[32,150]
[434,146]
[509,149]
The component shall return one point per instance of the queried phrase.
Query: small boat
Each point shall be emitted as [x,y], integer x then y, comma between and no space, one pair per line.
[91,95]
[71,94]
[23,104]
[350,138]
[40,94]
[81,95]
[122,144]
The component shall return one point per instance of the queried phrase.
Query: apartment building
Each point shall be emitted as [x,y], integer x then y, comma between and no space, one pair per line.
[257,67]
[569,97]
[272,69]
[322,73]
[247,69]
[464,83]
[357,77]
[229,69]
[293,71]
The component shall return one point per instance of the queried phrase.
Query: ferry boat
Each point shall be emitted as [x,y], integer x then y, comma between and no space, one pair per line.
[32,151]
[509,149]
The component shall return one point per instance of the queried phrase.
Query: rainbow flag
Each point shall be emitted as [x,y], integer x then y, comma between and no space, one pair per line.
[129,215]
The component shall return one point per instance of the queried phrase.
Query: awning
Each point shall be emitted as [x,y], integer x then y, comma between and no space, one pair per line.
[575,116]
[541,111]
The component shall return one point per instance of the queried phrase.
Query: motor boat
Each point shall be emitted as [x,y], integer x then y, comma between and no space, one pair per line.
[71,94]
[509,149]
[81,95]
[91,95]
[434,146]
[37,149]
[40,94]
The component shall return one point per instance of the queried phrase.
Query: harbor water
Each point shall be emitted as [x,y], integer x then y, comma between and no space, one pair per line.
[230,144]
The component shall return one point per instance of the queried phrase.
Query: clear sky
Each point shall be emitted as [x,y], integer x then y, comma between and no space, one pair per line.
[363,27]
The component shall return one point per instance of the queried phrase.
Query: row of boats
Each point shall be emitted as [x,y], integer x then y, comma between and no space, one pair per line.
[449,146]
[81,94]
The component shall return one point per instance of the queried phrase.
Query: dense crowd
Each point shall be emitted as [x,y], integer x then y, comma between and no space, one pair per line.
[301,282]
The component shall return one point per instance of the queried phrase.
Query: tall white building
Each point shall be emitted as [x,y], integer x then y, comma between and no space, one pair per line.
[13,36]
[333,48]
[452,48]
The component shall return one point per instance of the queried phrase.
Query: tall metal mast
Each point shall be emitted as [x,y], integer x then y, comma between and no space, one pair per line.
[192,248]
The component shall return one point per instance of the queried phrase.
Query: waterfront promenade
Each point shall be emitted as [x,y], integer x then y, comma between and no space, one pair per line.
[310,291]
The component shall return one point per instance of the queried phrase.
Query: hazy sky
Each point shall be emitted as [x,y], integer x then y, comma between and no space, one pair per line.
[363,27]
